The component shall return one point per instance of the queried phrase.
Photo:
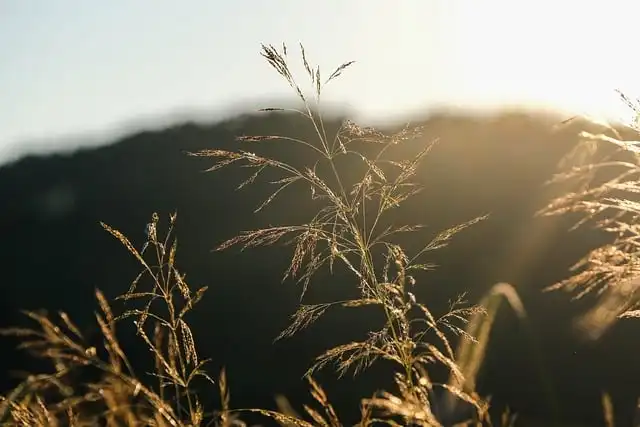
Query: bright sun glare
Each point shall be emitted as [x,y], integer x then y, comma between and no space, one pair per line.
[568,55]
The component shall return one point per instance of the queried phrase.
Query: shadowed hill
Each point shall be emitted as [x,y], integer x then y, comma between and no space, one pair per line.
[54,252]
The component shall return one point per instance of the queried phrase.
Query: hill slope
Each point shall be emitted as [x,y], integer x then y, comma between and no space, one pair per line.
[54,252]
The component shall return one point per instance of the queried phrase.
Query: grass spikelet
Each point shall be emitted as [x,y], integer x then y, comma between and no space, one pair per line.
[347,229]
[119,394]
[357,181]
[605,167]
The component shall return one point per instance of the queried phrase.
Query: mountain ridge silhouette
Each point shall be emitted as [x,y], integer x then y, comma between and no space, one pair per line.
[55,252]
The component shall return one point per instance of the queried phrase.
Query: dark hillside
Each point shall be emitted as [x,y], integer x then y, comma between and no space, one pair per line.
[54,252]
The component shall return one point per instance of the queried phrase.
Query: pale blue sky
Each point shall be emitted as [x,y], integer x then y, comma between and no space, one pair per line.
[72,67]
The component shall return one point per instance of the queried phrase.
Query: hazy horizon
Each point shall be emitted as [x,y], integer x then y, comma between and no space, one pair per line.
[71,69]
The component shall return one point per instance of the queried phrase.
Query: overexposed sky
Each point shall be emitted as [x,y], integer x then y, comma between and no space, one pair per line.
[70,67]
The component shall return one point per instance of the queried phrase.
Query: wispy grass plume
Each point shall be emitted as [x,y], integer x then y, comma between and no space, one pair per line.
[120,396]
[606,168]
[351,228]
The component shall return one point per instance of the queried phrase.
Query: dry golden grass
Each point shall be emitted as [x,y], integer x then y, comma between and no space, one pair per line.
[606,167]
[120,396]
[346,231]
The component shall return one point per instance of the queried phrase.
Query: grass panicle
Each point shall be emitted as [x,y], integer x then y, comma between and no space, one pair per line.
[605,168]
[352,228]
[358,178]
[120,396]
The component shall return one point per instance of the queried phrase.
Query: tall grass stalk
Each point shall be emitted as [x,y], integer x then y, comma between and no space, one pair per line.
[348,229]
[606,167]
[119,395]
[354,228]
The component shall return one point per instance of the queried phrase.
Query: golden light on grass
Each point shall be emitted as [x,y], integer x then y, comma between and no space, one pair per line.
[606,165]
[347,230]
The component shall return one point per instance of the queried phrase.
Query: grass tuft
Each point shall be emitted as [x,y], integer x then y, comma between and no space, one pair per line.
[358,177]
[605,167]
[352,228]
[120,396]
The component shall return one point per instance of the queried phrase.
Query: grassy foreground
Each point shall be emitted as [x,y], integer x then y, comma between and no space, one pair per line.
[357,181]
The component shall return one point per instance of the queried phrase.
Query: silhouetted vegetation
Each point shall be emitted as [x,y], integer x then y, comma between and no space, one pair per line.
[365,212]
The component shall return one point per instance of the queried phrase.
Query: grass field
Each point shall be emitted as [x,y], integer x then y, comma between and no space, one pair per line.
[356,182]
